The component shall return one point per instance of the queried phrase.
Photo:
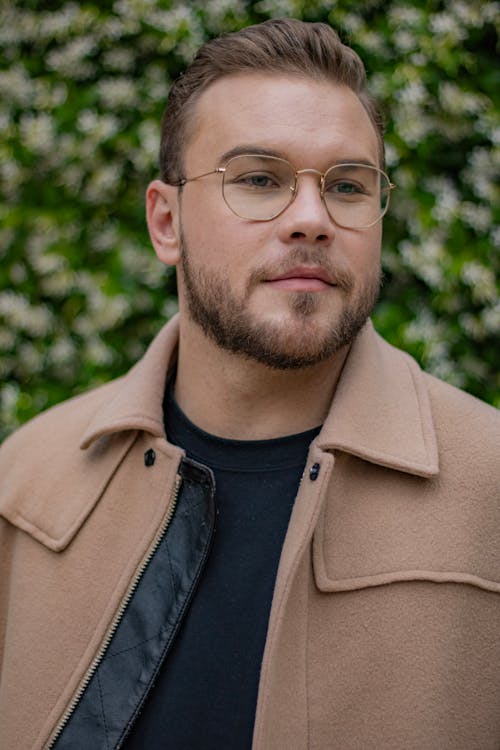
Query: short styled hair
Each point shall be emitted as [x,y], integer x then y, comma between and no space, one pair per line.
[281,46]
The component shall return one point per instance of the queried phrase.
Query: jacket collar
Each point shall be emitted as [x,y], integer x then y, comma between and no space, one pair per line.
[380,411]
[138,404]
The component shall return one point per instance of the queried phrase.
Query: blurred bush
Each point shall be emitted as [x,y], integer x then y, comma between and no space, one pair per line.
[82,90]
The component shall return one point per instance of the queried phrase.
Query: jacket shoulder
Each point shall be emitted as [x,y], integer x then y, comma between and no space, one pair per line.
[465,425]
[450,402]
[452,408]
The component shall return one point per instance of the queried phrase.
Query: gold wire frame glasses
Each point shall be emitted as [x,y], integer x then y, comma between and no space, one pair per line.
[260,187]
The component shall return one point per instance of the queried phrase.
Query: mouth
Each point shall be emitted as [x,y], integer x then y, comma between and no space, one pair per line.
[303,279]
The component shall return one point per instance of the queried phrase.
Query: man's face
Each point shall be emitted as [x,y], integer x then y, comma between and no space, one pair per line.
[291,291]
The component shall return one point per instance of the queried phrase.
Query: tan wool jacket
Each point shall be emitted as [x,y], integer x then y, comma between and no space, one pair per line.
[384,632]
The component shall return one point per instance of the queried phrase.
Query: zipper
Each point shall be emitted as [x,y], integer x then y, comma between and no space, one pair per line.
[117,618]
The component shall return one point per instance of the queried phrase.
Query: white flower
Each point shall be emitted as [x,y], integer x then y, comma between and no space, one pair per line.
[481,173]
[425,259]
[16,85]
[58,25]
[7,338]
[472,326]
[36,320]
[9,394]
[58,284]
[446,196]
[71,59]
[38,132]
[444,24]
[405,40]
[117,92]
[105,237]
[47,96]
[119,59]
[495,236]
[102,183]
[459,102]
[405,15]
[29,358]
[99,127]
[475,14]
[12,176]
[491,319]
[477,216]
[62,351]
[481,280]
[96,351]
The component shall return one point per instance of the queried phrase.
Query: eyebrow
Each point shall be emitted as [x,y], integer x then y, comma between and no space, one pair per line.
[251,148]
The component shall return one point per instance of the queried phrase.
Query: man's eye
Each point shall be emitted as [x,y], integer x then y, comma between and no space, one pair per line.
[345,187]
[257,180]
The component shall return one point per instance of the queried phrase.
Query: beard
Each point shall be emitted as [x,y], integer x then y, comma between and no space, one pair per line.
[283,345]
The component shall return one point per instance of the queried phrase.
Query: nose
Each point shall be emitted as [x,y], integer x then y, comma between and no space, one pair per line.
[306,218]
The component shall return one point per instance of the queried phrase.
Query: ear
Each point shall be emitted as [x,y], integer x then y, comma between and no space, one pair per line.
[162,213]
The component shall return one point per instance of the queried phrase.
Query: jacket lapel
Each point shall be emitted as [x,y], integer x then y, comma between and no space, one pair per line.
[381,410]
[138,404]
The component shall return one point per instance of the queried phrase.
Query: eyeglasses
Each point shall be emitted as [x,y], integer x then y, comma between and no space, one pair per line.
[261,187]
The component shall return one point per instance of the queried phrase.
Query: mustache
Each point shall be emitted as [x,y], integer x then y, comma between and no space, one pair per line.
[305,256]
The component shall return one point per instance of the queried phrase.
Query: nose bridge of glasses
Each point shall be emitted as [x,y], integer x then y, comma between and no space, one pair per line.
[311,171]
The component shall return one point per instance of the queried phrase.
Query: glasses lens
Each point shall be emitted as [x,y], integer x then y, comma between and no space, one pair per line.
[356,195]
[258,187]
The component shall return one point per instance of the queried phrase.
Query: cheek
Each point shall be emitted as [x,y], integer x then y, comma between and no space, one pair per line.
[223,241]
[219,253]
[368,250]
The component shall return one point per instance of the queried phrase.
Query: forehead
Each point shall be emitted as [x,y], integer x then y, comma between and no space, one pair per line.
[311,122]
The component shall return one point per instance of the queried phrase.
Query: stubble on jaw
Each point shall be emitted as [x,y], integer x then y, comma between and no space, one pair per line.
[227,321]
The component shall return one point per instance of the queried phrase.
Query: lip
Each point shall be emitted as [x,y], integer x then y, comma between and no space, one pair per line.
[303,278]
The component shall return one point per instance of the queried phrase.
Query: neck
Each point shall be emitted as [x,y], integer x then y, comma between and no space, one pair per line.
[234,397]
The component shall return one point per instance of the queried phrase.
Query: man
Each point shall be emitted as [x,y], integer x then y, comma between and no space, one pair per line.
[275,531]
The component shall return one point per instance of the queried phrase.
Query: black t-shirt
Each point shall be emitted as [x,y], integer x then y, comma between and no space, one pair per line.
[205,696]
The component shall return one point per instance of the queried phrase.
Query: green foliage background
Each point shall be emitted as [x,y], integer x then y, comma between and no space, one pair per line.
[82,89]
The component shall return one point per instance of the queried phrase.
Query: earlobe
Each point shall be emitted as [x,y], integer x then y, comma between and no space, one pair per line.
[162,213]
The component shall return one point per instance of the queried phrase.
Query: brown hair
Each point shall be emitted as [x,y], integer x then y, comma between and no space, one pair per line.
[280,45]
